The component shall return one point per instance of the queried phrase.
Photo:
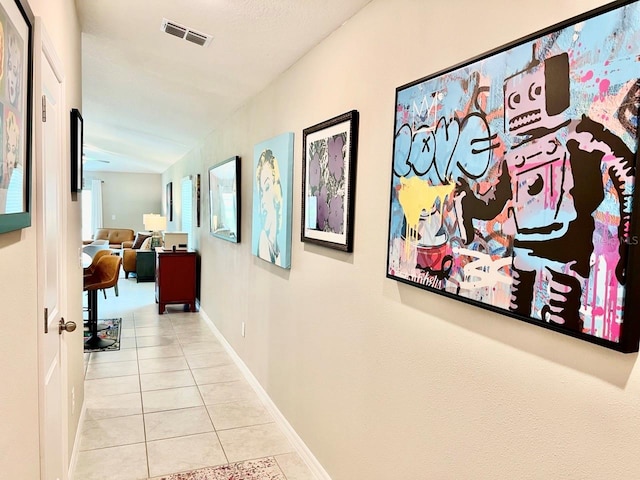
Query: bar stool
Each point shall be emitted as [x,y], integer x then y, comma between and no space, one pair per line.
[94,261]
[104,275]
[87,271]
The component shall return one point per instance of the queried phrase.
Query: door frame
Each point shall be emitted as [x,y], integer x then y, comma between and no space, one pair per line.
[43,46]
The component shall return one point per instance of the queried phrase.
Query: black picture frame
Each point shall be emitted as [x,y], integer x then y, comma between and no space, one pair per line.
[169,201]
[16,95]
[329,161]
[77,139]
[498,161]
[224,200]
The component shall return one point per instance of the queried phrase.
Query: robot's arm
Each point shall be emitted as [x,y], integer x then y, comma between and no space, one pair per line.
[620,164]
[622,171]
[485,207]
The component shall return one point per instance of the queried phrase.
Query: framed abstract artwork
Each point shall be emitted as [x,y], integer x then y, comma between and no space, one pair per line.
[224,200]
[16,124]
[272,198]
[76,150]
[169,201]
[328,181]
[512,182]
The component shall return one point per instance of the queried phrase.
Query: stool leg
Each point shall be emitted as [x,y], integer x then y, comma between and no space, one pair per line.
[94,341]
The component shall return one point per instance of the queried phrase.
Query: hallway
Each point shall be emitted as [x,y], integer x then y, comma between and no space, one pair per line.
[172,400]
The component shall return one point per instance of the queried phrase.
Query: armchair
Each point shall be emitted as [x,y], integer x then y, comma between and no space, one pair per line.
[129,253]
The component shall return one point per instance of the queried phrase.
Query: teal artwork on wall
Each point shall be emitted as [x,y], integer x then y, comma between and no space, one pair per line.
[272,198]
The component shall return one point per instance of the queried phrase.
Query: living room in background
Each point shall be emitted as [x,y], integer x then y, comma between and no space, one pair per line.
[512,182]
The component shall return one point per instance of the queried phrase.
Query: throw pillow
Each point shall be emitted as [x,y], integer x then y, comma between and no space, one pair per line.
[140,237]
[146,245]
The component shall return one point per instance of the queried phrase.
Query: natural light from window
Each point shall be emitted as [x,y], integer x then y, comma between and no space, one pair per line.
[86,215]
[186,195]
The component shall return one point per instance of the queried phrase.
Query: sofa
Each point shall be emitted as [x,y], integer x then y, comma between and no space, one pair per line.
[115,236]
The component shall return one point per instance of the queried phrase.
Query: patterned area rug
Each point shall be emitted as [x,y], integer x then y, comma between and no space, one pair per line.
[111,332]
[263,469]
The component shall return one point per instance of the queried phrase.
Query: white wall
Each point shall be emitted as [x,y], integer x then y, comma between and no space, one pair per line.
[19,390]
[19,436]
[128,196]
[380,379]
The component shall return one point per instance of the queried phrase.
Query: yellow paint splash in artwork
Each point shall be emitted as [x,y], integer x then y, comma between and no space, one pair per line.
[416,195]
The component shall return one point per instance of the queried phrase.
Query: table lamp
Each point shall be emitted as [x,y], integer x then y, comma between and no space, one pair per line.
[155,223]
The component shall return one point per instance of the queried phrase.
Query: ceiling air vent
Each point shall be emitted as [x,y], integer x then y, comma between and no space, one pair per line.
[186,33]
[196,38]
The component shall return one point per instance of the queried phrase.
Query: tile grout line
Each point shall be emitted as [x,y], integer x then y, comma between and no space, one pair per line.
[144,422]
[183,335]
[213,425]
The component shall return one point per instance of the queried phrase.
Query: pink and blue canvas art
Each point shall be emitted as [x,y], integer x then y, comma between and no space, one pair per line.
[513,178]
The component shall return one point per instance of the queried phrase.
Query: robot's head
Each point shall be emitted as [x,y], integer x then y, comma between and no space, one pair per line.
[535,98]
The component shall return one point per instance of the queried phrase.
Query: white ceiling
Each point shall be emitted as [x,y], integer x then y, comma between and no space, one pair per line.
[148,97]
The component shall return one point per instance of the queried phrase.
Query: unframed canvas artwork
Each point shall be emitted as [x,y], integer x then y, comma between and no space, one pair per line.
[272,197]
[513,176]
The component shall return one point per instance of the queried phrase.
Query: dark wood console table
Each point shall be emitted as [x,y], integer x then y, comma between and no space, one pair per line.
[175,278]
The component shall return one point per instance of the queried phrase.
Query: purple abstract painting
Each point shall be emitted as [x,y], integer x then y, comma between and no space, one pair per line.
[329,181]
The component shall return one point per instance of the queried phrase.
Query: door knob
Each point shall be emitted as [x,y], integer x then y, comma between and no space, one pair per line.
[66,326]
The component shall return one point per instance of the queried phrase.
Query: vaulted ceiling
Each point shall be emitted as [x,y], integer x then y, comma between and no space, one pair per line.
[149,97]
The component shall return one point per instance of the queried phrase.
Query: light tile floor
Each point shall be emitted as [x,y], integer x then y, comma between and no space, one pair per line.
[170,400]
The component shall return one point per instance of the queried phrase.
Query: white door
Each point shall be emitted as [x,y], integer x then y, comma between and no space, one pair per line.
[50,224]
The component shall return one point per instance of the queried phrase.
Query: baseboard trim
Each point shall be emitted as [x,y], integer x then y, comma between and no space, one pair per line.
[298,444]
[73,461]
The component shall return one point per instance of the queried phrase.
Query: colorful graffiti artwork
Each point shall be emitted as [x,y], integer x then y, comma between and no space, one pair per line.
[513,177]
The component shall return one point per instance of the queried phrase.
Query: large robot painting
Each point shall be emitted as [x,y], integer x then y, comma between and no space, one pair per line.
[513,177]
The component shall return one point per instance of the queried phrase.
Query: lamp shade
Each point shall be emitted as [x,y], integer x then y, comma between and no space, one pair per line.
[145,218]
[155,223]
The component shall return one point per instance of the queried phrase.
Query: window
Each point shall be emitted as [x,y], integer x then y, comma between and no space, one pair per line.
[87,229]
[186,197]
